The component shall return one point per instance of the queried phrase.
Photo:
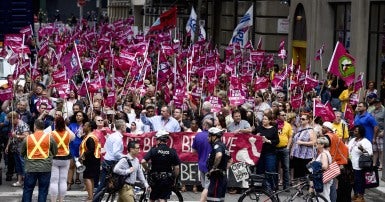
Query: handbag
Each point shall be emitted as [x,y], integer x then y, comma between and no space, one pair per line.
[332,172]
[372,178]
[365,161]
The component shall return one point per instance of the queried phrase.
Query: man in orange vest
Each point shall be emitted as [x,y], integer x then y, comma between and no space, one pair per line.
[38,150]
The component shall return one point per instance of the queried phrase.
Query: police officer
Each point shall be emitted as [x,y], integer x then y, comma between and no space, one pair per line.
[165,166]
[218,162]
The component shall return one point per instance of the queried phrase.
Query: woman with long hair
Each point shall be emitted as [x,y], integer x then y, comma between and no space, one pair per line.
[77,129]
[323,156]
[90,156]
[357,146]
[302,151]
[267,161]
[61,162]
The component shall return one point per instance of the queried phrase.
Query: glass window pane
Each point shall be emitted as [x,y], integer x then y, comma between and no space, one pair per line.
[382,18]
[374,18]
[348,17]
[340,17]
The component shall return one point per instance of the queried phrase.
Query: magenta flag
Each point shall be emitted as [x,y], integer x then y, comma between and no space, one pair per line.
[359,83]
[342,64]
[325,111]
[261,83]
[349,115]
[71,63]
[6,94]
[296,101]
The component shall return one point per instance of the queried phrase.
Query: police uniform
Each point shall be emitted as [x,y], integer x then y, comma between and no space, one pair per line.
[218,178]
[161,177]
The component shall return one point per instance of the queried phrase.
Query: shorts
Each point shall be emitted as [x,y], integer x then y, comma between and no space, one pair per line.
[378,146]
[204,180]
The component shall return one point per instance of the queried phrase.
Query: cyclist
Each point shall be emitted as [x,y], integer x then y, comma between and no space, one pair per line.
[133,170]
[165,167]
[218,162]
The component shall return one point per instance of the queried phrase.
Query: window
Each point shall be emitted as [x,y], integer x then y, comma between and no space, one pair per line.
[376,54]
[342,23]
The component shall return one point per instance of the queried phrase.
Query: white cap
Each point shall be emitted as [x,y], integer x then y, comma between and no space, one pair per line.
[161,133]
[214,130]
[329,125]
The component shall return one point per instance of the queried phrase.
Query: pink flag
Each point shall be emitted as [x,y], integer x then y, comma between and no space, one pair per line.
[342,64]
[6,94]
[279,79]
[296,100]
[111,99]
[27,31]
[325,111]
[261,83]
[71,62]
[43,49]
[13,40]
[310,84]
[359,83]
[349,116]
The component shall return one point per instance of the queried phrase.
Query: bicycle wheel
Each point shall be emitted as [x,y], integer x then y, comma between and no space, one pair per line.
[316,198]
[257,195]
[176,195]
[99,196]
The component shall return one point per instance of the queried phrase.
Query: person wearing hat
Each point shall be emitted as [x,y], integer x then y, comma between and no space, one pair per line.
[378,113]
[218,162]
[371,99]
[339,152]
[165,167]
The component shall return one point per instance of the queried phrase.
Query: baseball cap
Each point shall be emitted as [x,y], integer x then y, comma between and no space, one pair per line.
[372,95]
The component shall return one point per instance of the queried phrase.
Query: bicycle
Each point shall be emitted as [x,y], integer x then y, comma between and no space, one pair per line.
[257,190]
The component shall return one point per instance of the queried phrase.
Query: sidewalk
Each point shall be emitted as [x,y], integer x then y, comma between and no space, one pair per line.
[380,189]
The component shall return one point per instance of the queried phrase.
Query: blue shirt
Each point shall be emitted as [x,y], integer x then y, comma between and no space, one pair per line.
[75,144]
[114,147]
[203,148]
[368,122]
[159,123]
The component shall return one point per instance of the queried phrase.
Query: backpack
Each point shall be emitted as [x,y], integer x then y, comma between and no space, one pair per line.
[114,181]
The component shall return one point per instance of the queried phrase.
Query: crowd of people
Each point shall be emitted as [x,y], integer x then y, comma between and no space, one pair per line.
[88,127]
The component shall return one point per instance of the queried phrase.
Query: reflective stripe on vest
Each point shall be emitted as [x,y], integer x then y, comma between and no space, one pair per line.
[83,147]
[38,145]
[63,147]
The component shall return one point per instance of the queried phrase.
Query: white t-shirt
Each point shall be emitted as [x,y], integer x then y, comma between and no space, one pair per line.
[355,153]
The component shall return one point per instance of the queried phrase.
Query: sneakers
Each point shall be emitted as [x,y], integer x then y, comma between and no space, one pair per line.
[17,184]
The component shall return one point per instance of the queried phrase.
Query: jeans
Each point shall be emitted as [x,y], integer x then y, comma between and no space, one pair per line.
[267,163]
[105,165]
[19,164]
[359,180]
[30,182]
[283,157]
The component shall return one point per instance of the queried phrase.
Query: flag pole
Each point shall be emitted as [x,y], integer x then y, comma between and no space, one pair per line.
[84,79]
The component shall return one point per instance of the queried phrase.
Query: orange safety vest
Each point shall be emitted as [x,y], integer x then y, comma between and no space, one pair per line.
[38,145]
[63,143]
[83,147]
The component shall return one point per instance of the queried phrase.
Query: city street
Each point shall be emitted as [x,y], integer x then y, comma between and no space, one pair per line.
[14,194]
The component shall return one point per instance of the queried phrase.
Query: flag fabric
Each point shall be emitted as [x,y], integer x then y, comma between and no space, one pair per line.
[71,62]
[281,50]
[359,82]
[296,100]
[319,53]
[27,31]
[191,26]
[325,111]
[342,64]
[166,20]
[349,116]
[261,83]
[240,34]
[202,33]
[6,94]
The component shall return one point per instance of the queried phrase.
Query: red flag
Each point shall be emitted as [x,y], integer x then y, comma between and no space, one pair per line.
[261,83]
[279,79]
[310,84]
[359,83]
[6,94]
[43,49]
[296,101]
[71,62]
[13,40]
[349,116]
[168,18]
[342,64]
[325,111]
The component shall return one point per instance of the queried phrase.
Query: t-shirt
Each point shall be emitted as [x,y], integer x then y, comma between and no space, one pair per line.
[203,148]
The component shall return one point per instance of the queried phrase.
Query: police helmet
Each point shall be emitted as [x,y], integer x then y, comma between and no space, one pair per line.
[162,135]
[214,131]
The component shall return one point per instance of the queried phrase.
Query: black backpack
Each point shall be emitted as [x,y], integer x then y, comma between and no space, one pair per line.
[114,181]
